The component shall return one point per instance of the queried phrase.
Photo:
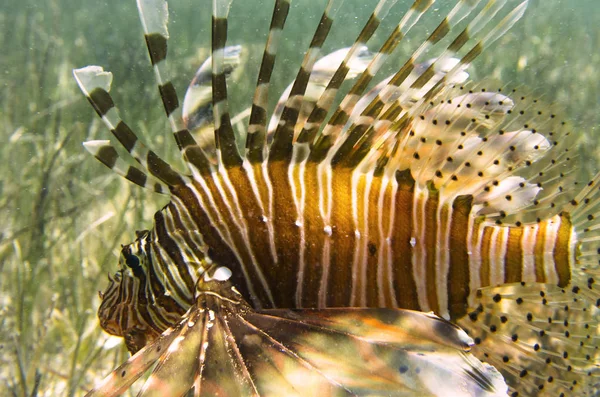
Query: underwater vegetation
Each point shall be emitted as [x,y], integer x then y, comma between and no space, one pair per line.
[64,217]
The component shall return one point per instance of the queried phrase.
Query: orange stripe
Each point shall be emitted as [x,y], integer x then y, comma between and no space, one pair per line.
[404,284]
[373,245]
[360,282]
[431,265]
[386,269]
[313,228]
[458,272]
[486,242]
[562,255]
[258,233]
[287,236]
[219,251]
[342,239]
[513,264]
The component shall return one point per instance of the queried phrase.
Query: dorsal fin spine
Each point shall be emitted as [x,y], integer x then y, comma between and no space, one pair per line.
[497,31]
[226,145]
[154,16]
[324,102]
[458,13]
[341,115]
[256,139]
[95,83]
[281,147]
[107,155]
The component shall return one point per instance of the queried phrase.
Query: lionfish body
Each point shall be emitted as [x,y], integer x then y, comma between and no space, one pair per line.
[427,192]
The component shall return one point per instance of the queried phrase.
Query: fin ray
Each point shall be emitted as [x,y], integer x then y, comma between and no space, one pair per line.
[95,84]
[154,16]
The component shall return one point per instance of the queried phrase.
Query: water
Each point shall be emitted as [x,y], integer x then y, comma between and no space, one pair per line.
[63,215]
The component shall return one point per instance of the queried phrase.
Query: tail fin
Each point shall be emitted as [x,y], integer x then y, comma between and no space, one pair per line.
[585,209]
[543,339]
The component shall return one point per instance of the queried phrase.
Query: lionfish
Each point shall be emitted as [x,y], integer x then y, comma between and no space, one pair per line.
[340,246]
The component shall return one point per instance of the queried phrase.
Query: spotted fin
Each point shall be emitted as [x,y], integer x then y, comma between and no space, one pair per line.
[544,339]
[222,347]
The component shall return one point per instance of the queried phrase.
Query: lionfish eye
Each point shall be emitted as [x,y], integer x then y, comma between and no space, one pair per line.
[132,261]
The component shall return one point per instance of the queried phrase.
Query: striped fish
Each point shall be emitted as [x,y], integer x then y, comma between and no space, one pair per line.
[428,192]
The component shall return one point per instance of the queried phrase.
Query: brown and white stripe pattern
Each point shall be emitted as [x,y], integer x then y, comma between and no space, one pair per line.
[327,232]
[400,235]
[402,207]
[281,147]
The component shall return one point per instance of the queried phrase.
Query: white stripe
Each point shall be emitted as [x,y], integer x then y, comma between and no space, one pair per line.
[364,248]
[528,243]
[356,297]
[219,109]
[222,229]
[552,226]
[241,225]
[170,289]
[419,251]
[269,220]
[388,241]
[298,163]
[155,20]
[474,252]
[443,258]
[325,262]
[381,262]
[254,185]
[325,203]
[493,256]
[500,256]
[273,41]
[221,8]
[111,118]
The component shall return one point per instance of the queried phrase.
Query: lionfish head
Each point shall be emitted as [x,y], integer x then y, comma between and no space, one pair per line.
[121,307]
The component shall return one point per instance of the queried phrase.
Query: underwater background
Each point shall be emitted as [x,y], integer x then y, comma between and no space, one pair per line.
[63,215]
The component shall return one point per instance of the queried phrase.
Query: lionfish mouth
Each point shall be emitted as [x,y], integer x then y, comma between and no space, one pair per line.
[108,312]
[109,325]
